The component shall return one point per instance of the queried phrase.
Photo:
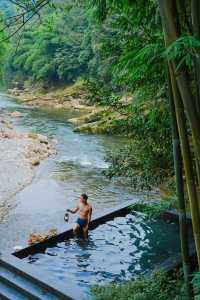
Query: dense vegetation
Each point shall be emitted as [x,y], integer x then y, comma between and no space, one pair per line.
[159,286]
[49,51]
[135,48]
[111,56]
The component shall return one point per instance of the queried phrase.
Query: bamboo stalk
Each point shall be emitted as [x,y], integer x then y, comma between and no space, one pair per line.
[170,26]
[182,94]
[178,168]
[187,161]
[195,14]
[196,62]
[195,9]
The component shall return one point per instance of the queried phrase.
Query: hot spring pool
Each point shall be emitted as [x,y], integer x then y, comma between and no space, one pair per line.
[116,251]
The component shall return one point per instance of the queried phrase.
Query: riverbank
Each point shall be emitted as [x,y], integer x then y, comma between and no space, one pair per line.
[140,160]
[95,119]
[19,156]
[68,97]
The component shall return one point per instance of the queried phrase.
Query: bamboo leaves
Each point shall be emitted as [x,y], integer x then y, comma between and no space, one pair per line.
[183,50]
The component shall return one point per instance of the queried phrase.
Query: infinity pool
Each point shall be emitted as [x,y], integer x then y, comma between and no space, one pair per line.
[116,251]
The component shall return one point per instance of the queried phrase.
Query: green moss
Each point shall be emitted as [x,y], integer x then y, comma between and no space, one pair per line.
[99,122]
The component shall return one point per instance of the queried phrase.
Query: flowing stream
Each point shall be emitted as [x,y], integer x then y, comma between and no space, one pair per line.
[61,178]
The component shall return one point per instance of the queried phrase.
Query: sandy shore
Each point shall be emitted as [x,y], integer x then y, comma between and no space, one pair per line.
[20,154]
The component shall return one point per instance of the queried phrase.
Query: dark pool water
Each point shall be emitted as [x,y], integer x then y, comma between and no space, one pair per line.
[115,251]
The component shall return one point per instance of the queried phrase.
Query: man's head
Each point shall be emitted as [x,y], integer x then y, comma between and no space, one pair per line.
[84,198]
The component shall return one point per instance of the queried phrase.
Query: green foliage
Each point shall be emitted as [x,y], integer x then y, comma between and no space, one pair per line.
[143,163]
[183,50]
[122,46]
[147,161]
[121,52]
[112,55]
[159,286]
[128,38]
[49,51]
[153,210]
[100,94]
[3,48]
[196,285]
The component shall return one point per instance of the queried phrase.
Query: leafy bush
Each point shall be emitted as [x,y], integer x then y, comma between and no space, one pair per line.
[147,160]
[159,286]
[154,210]
[143,164]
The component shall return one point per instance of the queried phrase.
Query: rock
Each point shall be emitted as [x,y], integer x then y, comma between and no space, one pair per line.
[87,128]
[76,121]
[9,126]
[35,162]
[45,155]
[32,135]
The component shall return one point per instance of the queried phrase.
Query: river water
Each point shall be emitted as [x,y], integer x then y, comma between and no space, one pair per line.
[116,251]
[61,178]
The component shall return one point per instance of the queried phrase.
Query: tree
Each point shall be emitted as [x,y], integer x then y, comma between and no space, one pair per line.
[49,51]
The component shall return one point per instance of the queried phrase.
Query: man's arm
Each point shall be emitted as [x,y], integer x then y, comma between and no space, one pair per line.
[73,210]
[90,215]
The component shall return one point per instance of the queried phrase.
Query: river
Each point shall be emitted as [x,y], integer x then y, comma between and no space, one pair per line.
[76,168]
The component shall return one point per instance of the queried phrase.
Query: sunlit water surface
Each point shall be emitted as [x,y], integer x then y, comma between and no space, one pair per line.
[61,178]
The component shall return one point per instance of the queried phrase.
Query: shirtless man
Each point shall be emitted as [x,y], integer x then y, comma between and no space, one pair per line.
[85,213]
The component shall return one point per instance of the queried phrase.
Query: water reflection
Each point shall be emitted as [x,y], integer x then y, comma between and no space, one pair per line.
[115,251]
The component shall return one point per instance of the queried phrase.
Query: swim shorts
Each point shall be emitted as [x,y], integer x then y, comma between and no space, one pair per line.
[81,222]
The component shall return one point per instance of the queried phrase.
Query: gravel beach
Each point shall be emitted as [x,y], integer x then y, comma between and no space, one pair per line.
[20,154]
